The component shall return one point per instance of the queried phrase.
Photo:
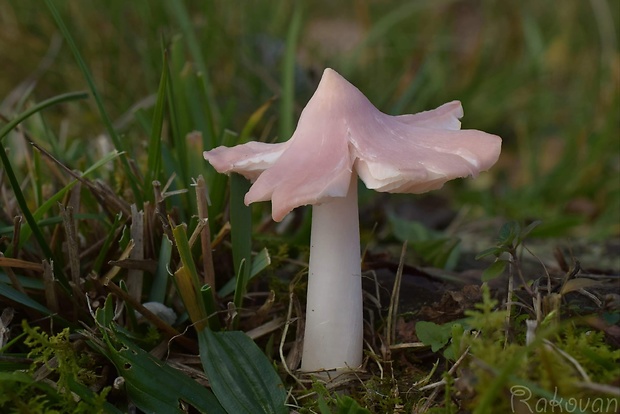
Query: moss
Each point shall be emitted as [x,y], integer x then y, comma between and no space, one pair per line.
[57,380]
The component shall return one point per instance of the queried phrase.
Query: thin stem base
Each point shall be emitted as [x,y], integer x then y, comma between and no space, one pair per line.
[334,315]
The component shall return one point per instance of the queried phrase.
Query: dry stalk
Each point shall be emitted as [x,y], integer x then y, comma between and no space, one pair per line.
[393,310]
[68,221]
[6,263]
[205,234]
[51,297]
[135,277]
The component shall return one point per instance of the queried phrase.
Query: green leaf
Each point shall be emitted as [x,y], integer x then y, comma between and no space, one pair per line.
[437,336]
[88,396]
[454,350]
[411,231]
[323,407]
[508,233]
[496,251]
[19,376]
[105,315]
[155,387]
[433,247]
[210,307]
[259,263]
[493,271]
[440,253]
[347,405]
[241,376]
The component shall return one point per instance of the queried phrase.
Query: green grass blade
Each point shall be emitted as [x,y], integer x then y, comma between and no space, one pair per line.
[208,139]
[71,96]
[23,205]
[19,195]
[207,296]
[241,233]
[178,108]
[154,153]
[185,252]
[27,230]
[160,281]
[241,376]
[26,282]
[37,184]
[177,8]
[190,291]
[287,102]
[253,120]
[133,181]
[259,263]
[18,297]
[106,244]
[88,396]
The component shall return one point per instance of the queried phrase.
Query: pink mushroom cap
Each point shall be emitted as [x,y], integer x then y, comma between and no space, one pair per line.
[340,132]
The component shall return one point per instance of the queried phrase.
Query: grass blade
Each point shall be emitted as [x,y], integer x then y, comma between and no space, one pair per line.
[178,108]
[160,280]
[106,244]
[211,307]
[26,229]
[133,181]
[253,120]
[259,263]
[23,205]
[71,96]
[241,233]
[154,153]
[187,279]
[177,8]
[287,102]
[18,297]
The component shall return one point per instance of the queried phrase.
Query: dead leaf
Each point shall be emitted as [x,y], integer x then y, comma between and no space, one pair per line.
[578,283]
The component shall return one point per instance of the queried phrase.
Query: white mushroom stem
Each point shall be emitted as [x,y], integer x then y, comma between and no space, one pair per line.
[334,325]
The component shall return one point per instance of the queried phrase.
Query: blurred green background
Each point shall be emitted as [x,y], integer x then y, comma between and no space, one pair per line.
[543,75]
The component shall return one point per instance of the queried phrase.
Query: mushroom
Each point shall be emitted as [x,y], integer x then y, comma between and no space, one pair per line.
[340,136]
